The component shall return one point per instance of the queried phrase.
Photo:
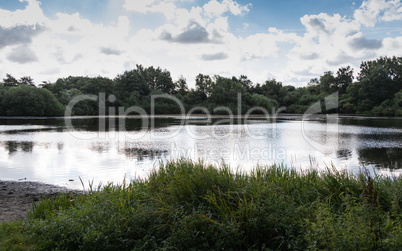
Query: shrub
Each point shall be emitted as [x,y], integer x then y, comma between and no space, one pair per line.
[30,101]
[186,205]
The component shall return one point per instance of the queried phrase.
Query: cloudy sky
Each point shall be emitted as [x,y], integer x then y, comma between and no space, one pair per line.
[291,41]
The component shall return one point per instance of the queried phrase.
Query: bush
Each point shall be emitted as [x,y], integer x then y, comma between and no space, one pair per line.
[186,205]
[30,101]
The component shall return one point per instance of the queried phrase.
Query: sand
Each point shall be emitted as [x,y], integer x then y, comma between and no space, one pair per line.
[16,197]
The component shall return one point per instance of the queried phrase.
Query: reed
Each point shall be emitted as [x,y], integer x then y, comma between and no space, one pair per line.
[191,205]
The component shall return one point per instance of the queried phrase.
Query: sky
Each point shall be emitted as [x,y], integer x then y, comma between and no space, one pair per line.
[291,41]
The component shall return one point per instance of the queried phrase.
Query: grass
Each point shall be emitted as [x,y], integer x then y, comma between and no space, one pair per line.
[190,205]
[13,236]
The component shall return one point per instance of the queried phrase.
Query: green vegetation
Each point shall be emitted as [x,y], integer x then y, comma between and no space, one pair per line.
[15,236]
[377,91]
[30,101]
[185,205]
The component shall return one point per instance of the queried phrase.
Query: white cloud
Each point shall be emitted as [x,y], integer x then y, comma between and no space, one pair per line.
[332,41]
[237,9]
[372,11]
[142,6]
[264,45]
[168,8]
[368,12]
[69,41]
[165,7]
[31,15]
[393,11]
[391,46]
[216,9]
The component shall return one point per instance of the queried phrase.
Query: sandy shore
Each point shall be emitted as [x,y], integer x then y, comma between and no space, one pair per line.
[16,197]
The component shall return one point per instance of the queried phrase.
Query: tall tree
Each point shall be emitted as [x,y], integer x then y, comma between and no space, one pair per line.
[271,89]
[27,80]
[379,79]
[157,79]
[181,86]
[344,78]
[129,82]
[245,82]
[10,80]
[389,67]
[203,85]
[327,82]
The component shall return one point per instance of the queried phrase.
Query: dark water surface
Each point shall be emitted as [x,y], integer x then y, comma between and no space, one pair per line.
[108,149]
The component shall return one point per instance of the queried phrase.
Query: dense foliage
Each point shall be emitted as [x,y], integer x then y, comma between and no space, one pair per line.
[377,91]
[193,206]
[30,101]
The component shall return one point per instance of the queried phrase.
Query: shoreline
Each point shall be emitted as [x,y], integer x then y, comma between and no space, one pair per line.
[201,115]
[16,197]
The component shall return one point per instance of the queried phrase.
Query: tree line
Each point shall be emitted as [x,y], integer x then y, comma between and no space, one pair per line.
[377,90]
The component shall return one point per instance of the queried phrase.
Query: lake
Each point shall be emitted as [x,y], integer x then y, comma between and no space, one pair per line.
[61,151]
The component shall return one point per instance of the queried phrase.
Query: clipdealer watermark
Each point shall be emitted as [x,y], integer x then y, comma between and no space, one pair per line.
[112,115]
[236,152]
[148,120]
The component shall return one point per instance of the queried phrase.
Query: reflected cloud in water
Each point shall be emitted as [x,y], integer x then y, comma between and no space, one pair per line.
[45,150]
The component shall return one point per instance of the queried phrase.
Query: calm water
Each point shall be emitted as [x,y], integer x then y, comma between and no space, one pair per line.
[109,149]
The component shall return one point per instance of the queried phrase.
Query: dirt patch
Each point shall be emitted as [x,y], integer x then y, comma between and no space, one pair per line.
[16,197]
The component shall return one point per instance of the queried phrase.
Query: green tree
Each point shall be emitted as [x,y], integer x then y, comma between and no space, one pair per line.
[344,78]
[271,89]
[398,103]
[203,85]
[264,102]
[129,82]
[225,91]
[377,85]
[133,100]
[245,82]
[181,86]
[327,83]
[10,81]
[98,85]
[157,79]
[163,105]
[30,101]
[381,78]
[3,90]
[391,65]
[27,80]
[59,90]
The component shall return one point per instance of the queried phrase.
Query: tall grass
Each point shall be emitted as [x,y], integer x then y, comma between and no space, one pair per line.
[190,205]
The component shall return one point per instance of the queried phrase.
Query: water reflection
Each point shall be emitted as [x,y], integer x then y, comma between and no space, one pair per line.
[100,147]
[373,122]
[48,151]
[390,158]
[60,146]
[344,153]
[14,146]
[134,153]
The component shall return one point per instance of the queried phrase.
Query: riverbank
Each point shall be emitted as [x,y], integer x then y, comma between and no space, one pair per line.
[190,205]
[16,197]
